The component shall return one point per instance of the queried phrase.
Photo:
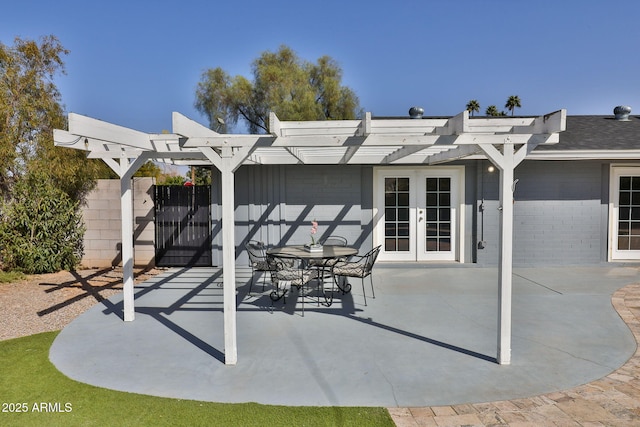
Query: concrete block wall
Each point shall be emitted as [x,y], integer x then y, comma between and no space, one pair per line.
[560,214]
[103,236]
[560,211]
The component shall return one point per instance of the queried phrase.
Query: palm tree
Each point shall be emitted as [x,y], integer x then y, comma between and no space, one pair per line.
[473,106]
[492,110]
[512,103]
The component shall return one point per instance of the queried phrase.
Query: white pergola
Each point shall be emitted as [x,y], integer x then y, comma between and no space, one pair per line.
[505,141]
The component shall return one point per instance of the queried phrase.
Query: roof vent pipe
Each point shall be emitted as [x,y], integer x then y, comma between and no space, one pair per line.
[416,112]
[622,112]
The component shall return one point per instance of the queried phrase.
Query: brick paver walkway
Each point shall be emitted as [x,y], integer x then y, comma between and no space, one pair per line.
[611,401]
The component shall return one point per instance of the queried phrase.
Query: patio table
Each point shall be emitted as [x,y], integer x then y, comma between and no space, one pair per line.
[311,258]
[299,251]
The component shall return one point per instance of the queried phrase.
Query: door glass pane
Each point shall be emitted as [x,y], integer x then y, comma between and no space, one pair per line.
[396,214]
[390,214]
[623,228]
[390,199]
[625,198]
[438,214]
[403,184]
[390,245]
[624,213]
[444,245]
[444,184]
[403,245]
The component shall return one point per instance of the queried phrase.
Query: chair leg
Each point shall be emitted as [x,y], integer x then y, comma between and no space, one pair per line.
[363,292]
[251,281]
[301,296]
[372,290]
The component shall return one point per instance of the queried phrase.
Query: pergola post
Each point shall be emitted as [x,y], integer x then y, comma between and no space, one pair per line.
[126,171]
[229,257]
[126,209]
[505,267]
[506,162]
[226,163]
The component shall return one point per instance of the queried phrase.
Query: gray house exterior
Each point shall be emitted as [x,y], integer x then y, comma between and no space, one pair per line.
[566,202]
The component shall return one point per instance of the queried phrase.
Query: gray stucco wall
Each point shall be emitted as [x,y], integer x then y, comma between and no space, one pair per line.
[276,204]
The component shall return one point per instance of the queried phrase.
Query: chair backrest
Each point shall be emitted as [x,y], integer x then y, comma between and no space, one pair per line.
[335,241]
[277,263]
[371,256]
[256,251]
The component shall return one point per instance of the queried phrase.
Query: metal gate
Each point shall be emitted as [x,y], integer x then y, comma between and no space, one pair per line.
[183,225]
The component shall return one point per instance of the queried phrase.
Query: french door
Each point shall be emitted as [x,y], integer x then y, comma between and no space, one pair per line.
[624,243]
[418,213]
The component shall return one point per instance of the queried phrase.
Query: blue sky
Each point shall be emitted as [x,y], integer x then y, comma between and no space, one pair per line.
[134,62]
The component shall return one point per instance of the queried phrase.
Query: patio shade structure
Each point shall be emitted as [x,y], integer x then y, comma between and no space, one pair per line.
[506,142]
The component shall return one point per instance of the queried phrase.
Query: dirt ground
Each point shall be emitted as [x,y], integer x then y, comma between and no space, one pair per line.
[48,302]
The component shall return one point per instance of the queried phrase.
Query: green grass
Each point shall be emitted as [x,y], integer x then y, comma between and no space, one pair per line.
[27,376]
[11,276]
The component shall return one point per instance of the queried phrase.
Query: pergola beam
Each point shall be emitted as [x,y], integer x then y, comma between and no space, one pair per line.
[454,154]
[98,129]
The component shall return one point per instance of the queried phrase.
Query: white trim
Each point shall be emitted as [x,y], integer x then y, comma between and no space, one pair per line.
[615,172]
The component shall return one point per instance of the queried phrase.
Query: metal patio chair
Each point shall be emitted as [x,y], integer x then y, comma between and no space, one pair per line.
[326,264]
[334,241]
[288,271]
[360,266]
[257,260]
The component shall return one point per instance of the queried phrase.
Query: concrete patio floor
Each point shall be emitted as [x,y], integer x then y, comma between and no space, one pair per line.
[428,339]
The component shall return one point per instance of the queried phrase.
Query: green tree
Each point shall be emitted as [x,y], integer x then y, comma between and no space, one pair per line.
[149,169]
[172,180]
[41,229]
[283,83]
[513,102]
[203,176]
[492,110]
[30,108]
[473,106]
